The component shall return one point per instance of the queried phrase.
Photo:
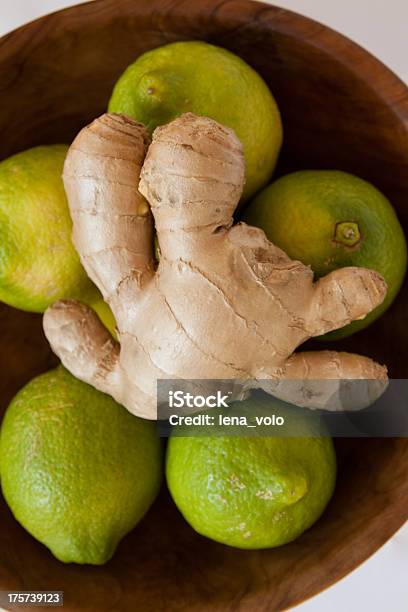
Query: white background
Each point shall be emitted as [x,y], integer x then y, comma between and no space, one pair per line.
[381,26]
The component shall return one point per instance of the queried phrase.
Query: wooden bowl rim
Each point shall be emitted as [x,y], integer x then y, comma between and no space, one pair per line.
[358,59]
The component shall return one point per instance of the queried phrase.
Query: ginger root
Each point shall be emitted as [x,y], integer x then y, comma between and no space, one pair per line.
[223,303]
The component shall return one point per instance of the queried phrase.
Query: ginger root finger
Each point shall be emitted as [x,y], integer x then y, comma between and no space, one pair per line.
[329,380]
[345,295]
[112,223]
[196,167]
[83,344]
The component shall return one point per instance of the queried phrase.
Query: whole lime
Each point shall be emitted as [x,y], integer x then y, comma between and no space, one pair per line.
[330,219]
[251,492]
[38,262]
[78,471]
[206,80]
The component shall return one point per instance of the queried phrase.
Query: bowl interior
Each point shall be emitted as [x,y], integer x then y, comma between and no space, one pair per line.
[341,109]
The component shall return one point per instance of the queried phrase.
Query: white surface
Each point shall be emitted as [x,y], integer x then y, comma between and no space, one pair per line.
[382,27]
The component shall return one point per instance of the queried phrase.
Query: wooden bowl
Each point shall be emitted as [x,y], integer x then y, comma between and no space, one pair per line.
[341,109]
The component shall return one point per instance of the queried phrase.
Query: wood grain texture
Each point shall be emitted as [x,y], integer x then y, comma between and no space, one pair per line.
[341,109]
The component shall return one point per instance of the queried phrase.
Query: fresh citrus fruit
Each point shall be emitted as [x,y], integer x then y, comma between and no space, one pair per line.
[38,263]
[78,471]
[330,219]
[206,80]
[251,492]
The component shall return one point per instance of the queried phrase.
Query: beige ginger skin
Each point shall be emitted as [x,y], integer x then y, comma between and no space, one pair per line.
[223,303]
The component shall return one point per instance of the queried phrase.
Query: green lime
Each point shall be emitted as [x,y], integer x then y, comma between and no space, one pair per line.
[38,262]
[328,220]
[251,492]
[78,471]
[206,80]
